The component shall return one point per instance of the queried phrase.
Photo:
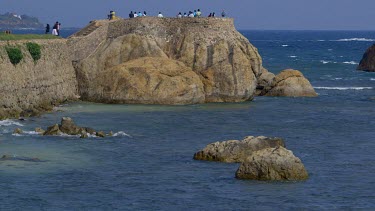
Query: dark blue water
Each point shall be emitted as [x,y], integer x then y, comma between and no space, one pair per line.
[153,169]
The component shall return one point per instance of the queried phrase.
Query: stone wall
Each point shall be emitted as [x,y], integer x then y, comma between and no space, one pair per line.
[29,87]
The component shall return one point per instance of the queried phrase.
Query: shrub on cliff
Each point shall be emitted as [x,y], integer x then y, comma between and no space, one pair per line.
[14,54]
[34,50]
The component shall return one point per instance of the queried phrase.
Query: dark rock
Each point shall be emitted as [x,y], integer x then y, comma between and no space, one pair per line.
[100,134]
[368,61]
[19,158]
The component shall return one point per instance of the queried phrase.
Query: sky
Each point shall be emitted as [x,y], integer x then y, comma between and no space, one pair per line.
[248,14]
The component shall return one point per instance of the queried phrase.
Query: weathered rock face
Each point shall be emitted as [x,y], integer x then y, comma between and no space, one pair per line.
[31,87]
[272,164]
[210,50]
[288,83]
[237,151]
[368,61]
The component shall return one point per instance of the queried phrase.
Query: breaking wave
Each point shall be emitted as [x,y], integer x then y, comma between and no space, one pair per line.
[355,39]
[351,62]
[343,88]
[8,122]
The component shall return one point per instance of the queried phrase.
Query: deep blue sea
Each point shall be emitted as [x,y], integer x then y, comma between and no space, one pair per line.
[148,165]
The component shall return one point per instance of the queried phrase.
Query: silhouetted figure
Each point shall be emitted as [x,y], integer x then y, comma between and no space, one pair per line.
[223,14]
[47,28]
[54,29]
[131,15]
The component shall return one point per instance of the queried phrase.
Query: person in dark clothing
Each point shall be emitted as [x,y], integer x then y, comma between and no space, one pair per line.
[131,15]
[210,15]
[55,28]
[47,28]
[213,15]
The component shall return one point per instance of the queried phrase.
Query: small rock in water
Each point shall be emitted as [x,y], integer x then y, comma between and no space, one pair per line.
[84,135]
[18,158]
[110,133]
[100,134]
[53,131]
[17,131]
[39,130]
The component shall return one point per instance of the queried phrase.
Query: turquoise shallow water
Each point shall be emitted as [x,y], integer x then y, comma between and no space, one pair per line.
[149,166]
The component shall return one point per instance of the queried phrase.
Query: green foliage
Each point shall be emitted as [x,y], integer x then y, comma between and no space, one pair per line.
[15,54]
[34,50]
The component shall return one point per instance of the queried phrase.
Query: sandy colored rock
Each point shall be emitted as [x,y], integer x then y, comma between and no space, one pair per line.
[235,150]
[225,62]
[69,127]
[147,80]
[39,130]
[290,83]
[100,134]
[368,61]
[272,164]
[53,131]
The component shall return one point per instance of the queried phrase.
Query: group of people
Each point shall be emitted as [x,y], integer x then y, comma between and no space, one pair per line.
[191,14]
[198,13]
[55,30]
[137,14]
[7,32]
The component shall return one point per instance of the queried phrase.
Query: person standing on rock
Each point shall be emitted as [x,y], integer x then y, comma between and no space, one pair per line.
[47,28]
[131,15]
[54,29]
[223,14]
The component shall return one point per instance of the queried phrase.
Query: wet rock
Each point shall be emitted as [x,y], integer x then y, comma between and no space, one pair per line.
[272,164]
[53,131]
[69,127]
[100,134]
[110,133]
[39,130]
[84,135]
[235,150]
[17,131]
[368,61]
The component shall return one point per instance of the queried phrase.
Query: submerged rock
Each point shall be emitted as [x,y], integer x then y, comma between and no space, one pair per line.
[272,164]
[368,61]
[19,158]
[17,131]
[289,83]
[236,151]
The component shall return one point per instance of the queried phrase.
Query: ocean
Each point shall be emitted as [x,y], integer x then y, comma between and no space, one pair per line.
[148,164]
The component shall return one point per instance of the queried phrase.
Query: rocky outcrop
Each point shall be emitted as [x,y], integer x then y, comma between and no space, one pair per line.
[236,151]
[368,61]
[261,158]
[68,127]
[30,87]
[221,64]
[272,164]
[288,83]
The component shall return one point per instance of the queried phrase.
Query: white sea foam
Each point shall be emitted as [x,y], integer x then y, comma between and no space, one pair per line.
[284,45]
[372,79]
[8,122]
[327,62]
[31,132]
[321,40]
[293,56]
[121,133]
[343,88]
[355,39]
[16,134]
[338,79]
[351,62]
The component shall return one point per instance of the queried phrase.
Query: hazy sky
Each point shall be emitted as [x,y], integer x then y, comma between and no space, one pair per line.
[248,14]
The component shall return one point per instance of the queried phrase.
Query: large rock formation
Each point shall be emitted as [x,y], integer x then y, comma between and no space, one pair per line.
[272,164]
[31,87]
[125,61]
[235,150]
[368,61]
[288,83]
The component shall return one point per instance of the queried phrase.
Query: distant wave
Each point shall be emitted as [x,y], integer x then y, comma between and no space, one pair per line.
[327,62]
[292,56]
[121,133]
[372,79]
[8,122]
[284,45]
[355,39]
[351,62]
[343,88]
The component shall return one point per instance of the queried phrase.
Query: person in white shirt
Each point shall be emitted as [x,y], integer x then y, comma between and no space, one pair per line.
[160,15]
[179,15]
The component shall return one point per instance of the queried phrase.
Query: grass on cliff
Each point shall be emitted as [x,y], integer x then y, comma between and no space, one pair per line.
[7,37]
